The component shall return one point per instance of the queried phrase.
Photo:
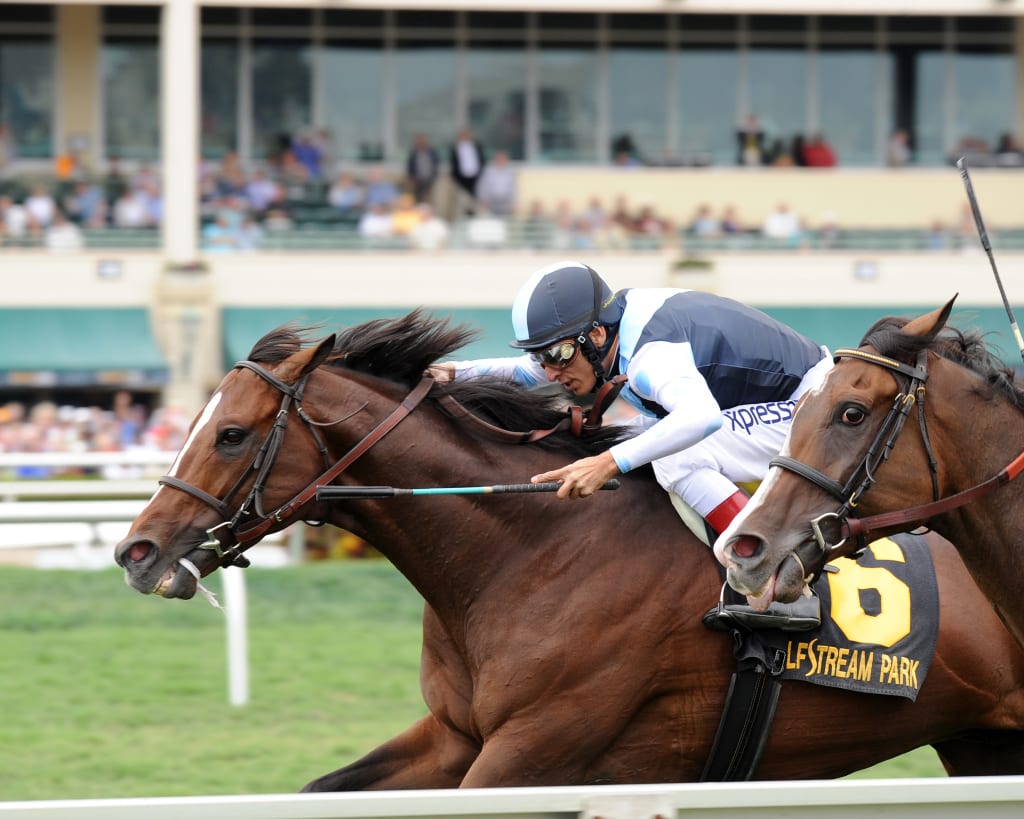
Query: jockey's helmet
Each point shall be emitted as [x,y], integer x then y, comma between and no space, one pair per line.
[562,300]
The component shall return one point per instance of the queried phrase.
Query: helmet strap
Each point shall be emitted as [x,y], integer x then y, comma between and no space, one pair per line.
[593,355]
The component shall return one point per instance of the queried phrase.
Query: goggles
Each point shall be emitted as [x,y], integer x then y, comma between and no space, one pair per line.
[560,355]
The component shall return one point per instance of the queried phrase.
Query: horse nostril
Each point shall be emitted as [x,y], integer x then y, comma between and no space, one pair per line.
[134,551]
[745,546]
[138,552]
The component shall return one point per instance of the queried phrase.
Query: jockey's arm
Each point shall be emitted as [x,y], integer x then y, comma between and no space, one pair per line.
[666,374]
[520,369]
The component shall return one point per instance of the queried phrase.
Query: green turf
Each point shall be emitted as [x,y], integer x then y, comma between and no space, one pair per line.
[107,693]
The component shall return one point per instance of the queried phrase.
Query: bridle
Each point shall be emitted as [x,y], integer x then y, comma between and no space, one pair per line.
[250,522]
[850,493]
[243,529]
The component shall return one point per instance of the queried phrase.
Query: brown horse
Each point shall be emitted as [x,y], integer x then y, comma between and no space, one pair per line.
[562,640]
[917,426]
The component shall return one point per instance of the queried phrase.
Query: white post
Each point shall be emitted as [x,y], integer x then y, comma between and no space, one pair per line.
[180,128]
[235,609]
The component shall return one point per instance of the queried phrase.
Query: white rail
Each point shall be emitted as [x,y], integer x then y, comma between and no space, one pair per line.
[981,797]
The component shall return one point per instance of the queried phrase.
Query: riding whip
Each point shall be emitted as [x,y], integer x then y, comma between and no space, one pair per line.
[961,163]
[374,492]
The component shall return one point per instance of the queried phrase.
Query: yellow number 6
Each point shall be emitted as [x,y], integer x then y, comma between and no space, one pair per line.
[892,623]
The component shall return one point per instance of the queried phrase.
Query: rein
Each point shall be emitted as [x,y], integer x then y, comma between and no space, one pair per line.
[229,538]
[236,533]
[849,494]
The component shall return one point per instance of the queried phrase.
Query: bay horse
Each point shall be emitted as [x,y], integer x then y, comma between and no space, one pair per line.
[562,640]
[917,426]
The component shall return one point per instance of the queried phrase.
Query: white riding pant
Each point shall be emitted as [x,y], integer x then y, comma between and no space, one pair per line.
[707,473]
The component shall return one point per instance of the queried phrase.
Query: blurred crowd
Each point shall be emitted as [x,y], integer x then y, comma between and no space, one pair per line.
[48,427]
[300,186]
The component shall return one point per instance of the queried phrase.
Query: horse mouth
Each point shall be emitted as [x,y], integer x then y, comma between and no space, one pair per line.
[784,584]
[177,582]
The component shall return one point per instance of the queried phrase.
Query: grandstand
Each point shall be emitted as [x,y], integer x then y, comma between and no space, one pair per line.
[88,87]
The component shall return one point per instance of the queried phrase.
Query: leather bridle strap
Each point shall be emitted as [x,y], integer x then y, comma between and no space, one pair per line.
[576,423]
[859,526]
[257,530]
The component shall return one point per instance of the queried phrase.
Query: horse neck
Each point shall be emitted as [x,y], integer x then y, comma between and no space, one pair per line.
[450,547]
[974,438]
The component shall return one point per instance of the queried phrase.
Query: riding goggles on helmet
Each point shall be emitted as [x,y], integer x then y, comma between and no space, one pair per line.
[560,354]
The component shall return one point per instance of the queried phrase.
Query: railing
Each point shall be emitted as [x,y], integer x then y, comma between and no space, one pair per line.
[981,797]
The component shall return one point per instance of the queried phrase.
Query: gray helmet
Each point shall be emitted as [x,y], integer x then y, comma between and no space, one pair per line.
[559,301]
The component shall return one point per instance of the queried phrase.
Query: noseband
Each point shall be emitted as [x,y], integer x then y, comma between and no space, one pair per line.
[849,493]
[238,532]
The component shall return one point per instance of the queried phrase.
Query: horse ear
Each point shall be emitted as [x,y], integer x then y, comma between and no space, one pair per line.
[306,360]
[930,323]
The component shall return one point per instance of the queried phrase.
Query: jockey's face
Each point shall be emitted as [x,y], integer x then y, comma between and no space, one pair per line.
[577,376]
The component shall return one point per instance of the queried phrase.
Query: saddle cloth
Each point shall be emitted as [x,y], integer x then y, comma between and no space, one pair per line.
[879,624]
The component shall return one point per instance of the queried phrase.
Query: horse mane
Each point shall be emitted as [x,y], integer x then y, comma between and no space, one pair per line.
[965,348]
[401,349]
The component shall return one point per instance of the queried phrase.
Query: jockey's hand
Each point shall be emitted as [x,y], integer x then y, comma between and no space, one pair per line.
[443,373]
[581,478]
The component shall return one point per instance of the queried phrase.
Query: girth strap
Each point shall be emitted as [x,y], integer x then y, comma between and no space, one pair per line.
[746,721]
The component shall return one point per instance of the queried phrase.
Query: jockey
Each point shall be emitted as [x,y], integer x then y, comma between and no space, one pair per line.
[713,384]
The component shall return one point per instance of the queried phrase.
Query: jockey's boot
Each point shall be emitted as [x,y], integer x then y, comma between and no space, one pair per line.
[803,614]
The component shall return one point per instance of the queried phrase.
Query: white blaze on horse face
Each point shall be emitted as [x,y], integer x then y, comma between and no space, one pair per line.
[204,419]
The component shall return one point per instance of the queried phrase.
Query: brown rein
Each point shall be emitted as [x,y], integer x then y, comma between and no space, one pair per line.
[229,539]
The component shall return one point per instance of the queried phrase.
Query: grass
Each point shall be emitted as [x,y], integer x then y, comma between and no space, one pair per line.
[106,693]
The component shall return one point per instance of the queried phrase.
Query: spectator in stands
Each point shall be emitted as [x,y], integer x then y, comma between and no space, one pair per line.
[261,192]
[750,141]
[131,210]
[467,162]
[898,152]
[798,150]
[230,177]
[347,195]
[86,205]
[818,153]
[1009,153]
[307,154]
[405,216]
[431,232]
[220,235]
[486,230]
[63,234]
[375,223]
[730,221]
[114,183]
[781,223]
[250,234]
[380,189]
[277,220]
[40,206]
[14,221]
[496,187]
[938,237]
[704,223]
[609,234]
[779,155]
[421,168]
[538,227]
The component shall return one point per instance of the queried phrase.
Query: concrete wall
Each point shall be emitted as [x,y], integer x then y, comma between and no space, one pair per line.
[864,198]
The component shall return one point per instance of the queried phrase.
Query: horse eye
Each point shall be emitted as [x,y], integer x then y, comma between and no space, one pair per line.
[853,416]
[232,436]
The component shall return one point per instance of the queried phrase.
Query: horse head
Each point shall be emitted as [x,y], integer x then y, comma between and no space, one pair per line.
[830,470]
[231,468]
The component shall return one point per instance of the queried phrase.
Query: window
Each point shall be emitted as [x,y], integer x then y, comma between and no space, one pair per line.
[26,97]
[218,125]
[131,94]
